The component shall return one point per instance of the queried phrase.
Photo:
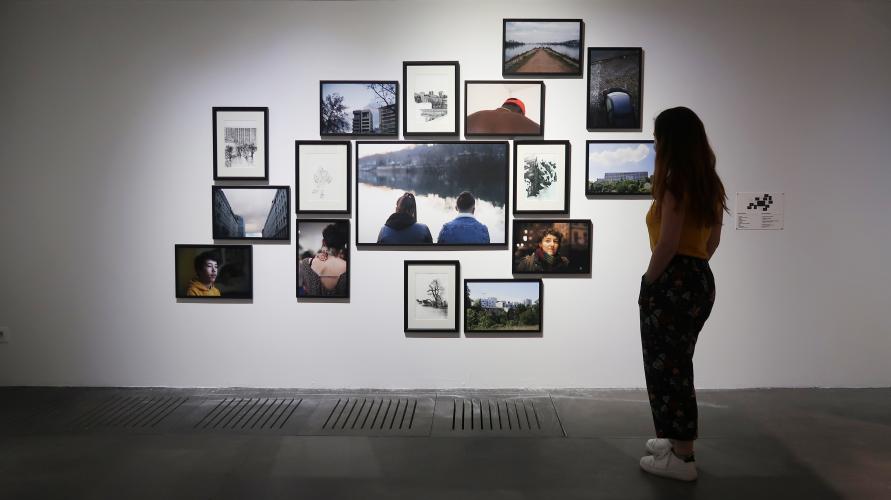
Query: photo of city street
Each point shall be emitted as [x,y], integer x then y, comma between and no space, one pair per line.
[251,213]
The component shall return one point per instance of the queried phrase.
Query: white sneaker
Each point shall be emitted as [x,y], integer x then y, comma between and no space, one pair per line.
[658,446]
[669,465]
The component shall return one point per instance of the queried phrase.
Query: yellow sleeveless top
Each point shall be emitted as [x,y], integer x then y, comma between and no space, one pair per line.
[694,239]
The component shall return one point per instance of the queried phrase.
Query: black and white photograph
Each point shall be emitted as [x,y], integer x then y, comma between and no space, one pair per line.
[359,108]
[251,212]
[541,177]
[503,305]
[322,173]
[620,168]
[430,98]
[615,88]
[214,271]
[411,193]
[240,143]
[503,108]
[542,47]
[431,295]
[552,246]
[323,258]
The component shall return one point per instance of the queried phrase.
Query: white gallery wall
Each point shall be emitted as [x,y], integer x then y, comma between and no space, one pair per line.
[106,164]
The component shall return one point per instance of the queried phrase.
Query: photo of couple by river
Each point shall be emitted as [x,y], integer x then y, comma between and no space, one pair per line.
[542,47]
[416,193]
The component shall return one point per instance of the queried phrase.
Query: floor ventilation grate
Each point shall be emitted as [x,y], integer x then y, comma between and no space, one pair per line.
[496,416]
[128,412]
[250,414]
[366,413]
[374,416]
[488,414]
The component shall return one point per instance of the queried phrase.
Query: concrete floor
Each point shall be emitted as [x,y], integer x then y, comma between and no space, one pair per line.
[762,444]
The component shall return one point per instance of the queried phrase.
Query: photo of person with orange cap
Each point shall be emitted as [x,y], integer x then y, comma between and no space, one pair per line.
[519,113]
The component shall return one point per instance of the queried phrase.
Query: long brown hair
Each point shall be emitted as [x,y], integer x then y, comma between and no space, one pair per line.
[685,167]
[406,205]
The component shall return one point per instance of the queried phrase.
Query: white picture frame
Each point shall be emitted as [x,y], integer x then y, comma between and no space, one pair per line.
[240,143]
[322,177]
[430,98]
[541,177]
[432,297]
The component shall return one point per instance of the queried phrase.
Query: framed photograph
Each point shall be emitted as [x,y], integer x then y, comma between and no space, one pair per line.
[214,271]
[503,305]
[552,246]
[251,212]
[240,144]
[431,295]
[623,168]
[323,258]
[542,47]
[503,108]
[615,88]
[359,108]
[430,98]
[541,177]
[322,176]
[411,193]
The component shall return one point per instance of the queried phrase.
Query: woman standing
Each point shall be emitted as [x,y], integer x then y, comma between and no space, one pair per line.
[678,289]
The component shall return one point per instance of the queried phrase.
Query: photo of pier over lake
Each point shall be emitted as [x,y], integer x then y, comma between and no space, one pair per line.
[435,174]
[542,47]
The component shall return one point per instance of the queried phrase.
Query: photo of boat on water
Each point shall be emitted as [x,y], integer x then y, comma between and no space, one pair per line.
[543,47]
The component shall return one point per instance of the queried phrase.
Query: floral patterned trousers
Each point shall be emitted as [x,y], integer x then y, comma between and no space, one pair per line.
[673,310]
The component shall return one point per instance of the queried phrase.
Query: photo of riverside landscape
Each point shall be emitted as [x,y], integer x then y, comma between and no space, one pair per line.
[414,193]
[620,168]
[542,47]
[502,306]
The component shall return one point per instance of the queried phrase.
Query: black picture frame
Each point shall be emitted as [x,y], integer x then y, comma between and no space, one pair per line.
[216,110]
[468,303]
[348,247]
[349,177]
[221,213]
[506,132]
[392,131]
[505,168]
[455,296]
[590,193]
[606,97]
[506,71]
[567,174]
[575,250]
[184,256]
[408,89]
